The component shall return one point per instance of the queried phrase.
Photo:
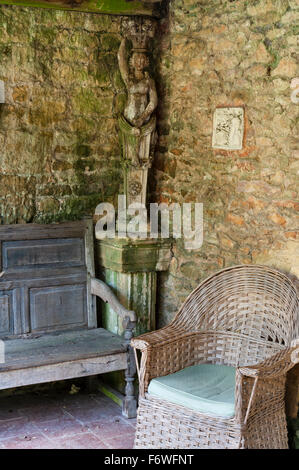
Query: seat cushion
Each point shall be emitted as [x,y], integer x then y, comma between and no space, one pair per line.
[206,388]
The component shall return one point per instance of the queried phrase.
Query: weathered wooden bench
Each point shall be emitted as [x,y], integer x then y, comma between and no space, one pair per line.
[48,318]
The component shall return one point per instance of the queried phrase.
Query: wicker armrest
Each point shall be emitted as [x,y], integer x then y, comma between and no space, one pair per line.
[264,378]
[276,365]
[157,338]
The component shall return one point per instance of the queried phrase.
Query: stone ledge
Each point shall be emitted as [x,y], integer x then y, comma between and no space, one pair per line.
[126,255]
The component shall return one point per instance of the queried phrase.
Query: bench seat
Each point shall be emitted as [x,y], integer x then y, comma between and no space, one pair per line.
[70,354]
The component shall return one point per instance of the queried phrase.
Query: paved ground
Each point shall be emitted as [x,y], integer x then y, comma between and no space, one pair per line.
[63,421]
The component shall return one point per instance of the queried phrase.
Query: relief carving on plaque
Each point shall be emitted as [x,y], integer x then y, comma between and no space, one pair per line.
[228,128]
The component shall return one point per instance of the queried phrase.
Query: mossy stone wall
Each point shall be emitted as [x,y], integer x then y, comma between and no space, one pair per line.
[59,150]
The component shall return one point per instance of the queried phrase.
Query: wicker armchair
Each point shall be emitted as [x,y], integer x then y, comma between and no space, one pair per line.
[246,317]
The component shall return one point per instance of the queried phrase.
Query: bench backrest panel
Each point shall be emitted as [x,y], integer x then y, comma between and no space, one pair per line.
[45,278]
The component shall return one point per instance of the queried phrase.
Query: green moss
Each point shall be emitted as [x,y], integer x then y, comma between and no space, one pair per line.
[178,125]
[276,59]
[110,60]
[118,81]
[83,150]
[119,103]
[100,72]
[110,42]
[82,163]
[87,101]
[96,6]
[5,50]
[73,208]
[44,36]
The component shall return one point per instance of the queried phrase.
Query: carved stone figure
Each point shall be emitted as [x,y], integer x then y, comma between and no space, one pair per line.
[137,125]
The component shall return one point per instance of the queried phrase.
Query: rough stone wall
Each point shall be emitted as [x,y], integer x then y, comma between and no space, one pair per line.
[226,53]
[59,152]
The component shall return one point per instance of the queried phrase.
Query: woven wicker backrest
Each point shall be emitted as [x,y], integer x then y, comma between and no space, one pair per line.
[253,300]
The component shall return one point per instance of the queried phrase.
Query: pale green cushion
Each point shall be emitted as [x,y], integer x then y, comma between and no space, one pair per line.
[206,388]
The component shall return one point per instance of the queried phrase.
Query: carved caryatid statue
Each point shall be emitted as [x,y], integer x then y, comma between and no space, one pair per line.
[137,125]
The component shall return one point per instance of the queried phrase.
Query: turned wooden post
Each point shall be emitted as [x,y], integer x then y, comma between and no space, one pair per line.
[129,403]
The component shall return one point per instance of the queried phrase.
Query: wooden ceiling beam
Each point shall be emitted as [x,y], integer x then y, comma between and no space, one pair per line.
[111,7]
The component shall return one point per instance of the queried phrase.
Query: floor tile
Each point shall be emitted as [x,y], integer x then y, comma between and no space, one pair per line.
[60,427]
[33,441]
[63,421]
[92,412]
[9,412]
[17,427]
[85,440]
[121,442]
[40,414]
[109,428]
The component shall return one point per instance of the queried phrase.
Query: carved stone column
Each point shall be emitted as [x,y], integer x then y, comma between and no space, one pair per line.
[137,125]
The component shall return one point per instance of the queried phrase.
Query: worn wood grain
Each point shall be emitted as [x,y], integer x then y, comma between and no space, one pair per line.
[63,370]
[103,291]
[39,231]
[23,353]
[90,266]
[115,7]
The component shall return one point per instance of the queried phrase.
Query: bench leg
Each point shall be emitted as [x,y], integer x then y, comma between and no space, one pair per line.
[129,409]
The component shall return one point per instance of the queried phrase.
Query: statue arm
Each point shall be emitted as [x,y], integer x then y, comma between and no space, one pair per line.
[123,62]
[153,99]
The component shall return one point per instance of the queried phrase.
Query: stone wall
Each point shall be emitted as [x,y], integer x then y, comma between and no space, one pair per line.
[59,151]
[229,53]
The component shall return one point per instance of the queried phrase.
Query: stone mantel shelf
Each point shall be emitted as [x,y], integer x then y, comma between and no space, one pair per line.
[127,255]
[111,7]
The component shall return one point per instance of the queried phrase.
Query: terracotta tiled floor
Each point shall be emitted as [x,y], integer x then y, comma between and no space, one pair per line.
[64,421]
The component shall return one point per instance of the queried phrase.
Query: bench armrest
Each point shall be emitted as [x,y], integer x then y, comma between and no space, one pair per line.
[129,318]
[100,289]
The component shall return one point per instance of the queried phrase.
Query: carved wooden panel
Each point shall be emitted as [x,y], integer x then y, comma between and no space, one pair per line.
[54,308]
[6,313]
[38,253]
[44,283]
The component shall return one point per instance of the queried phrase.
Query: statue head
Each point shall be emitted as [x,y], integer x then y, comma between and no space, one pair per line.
[139,61]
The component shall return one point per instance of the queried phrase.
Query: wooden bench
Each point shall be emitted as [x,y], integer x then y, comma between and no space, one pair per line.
[48,317]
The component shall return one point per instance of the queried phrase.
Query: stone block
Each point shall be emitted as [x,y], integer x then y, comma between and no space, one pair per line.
[126,255]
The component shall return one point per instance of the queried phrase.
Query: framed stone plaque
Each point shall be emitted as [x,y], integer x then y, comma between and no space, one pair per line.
[228,128]
[2,92]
